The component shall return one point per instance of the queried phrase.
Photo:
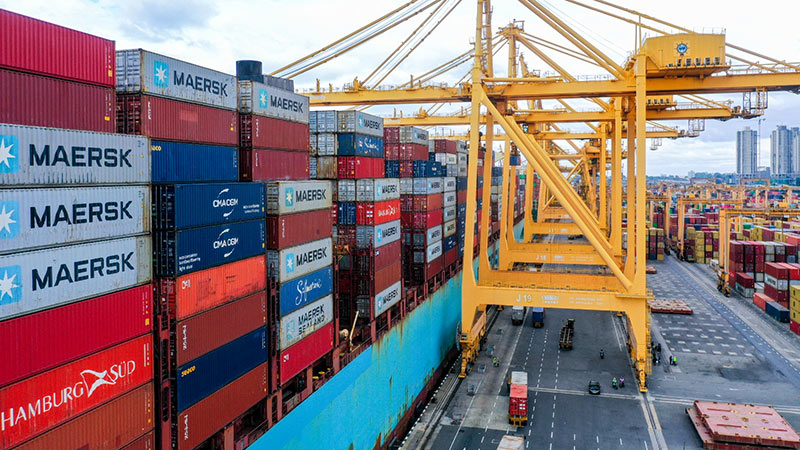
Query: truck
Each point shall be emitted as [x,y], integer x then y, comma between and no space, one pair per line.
[511,443]
[517,377]
[517,315]
[537,313]
[567,332]
[518,405]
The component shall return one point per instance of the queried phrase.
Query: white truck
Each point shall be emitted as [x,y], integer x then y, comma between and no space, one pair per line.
[517,315]
[511,443]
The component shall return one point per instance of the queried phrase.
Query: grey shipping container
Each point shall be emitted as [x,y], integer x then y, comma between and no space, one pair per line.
[302,322]
[377,189]
[41,217]
[326,144]
[312,143]
[323,122]
[388,298]
[414,135]
[407,185]
[449,199]
[449,213]
[449,183]
[346,190]
[258,98]
[378,235]
[39,156]
[46,278]
[359,122]
[288,197]
[142,71]
[293,262]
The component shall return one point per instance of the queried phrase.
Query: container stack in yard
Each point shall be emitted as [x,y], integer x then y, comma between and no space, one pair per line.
[76,303]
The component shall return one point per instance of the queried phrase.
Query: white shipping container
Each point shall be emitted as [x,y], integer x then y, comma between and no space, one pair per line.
[449,228]
[462,159]
[387,298]
[142,71]
[293,262]
[462,146]
[414,135]
[449,199]
[43,279]
[433,251]
[448,213]
[303,322]
[433,234]
[451,159]
[269,101]
[37,156]
[451,170]
[323,122]
[361,123]
[346,191]
[378,235]
[327,144]
[462,171]
[519,378]
[377,189]
[289,197]
[31,218]
[440,158]
[449,184]
[435,185]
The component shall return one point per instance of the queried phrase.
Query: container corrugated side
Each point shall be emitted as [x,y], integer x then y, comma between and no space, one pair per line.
[378,235]
[303,354]
[195,205]
[184,251]
[259,164]
[41,156]
[304,321]
[204,332]
[294,229]
[301,291]
[266,132]
[177,162]
[293,262]
[146,442]
[359,122]
[143,71]
[45,217]
[93,325]
[203,376]
[206,417]
[108,427]
[36,46]
[377,190]
[388,298]
[73,389]
[258,98]
[190,294]
[288,197]
[48,102]
[46,278]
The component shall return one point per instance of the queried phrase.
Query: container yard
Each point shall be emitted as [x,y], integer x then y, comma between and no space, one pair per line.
[204,246]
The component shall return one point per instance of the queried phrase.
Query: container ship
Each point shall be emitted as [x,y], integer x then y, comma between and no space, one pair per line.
[191,259]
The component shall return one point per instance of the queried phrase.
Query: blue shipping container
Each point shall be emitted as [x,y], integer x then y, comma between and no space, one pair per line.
[176,162]
[186,251]
[178,206]
[392,169]
[346,213]
[461,183]
[513,160]
[205,375]
[450,242]
[777,312]
[351,144]
[301,291]
[497,171]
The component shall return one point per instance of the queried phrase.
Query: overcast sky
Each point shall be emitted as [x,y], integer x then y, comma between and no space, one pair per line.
[216,34]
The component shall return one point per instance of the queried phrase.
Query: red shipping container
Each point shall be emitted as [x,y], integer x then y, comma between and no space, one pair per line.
[35,46]
[377,213]
[387,254]
[391,152]
[293,229]
[351,167]
[381,279]
[146,442]
[421,220]
[346,235]
[172,120]
[206,417]
[413,152]
[261,164]
[334,215]
[445,146]
[461,197]
[67,391]
[406,203]
[794,327]
[195,292]
[304,353]
[391,135]
[518,400]
[406,169]
[108,427]
[761,300]
[430,202]
[204,332]
[745,280]
[451,256]
[48,102]
[40,341]
[266,132]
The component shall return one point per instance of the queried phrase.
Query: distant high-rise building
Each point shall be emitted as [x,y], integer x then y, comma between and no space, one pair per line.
[795,134]
[746,151]
[781,151]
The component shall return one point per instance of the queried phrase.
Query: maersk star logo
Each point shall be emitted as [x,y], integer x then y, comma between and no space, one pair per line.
[10,284]
[263,98]
[161,74]
[9,219]
[289,196]
[9,154]
[379,235]
[360,122]
[289,262]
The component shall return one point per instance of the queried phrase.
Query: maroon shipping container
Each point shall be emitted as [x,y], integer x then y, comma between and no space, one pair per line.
[383,256]
[445,146]
[419,273]
[293,229]
[371,281]
[451,256]
[391,152]
[391,135]
[146,442]
[351,167]
[413,152]
[346,235]
[171,120]
[204,332]
[461,197]
[266,132]
[206,417]
[43,340]
[301,355]
[377,213]
[406,169]
[424,203]
[261,164]
[108,427]
[421,219]
[35,46]
[48,102]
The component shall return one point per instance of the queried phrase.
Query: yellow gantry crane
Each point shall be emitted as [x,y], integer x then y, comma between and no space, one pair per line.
[572,256]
